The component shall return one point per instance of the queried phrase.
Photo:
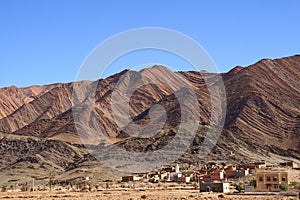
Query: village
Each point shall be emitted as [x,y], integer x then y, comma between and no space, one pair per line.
[255,178]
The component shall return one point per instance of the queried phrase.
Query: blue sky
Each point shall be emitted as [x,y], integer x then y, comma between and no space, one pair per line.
[46,41]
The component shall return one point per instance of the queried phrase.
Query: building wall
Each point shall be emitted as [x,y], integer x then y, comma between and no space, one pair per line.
[236,173]
[290,164]
[217,175]
[270,181]
[131,178]
[230,173]
[137,178]
[249,188]
[214,187]
[226,187]
[241,173]
[127,178]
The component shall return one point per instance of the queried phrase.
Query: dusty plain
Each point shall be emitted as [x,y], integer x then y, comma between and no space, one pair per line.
[136,195]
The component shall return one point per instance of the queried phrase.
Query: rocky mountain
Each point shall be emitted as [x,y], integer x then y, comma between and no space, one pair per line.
[142,112]
[13,98]
[265,107]
[263,116]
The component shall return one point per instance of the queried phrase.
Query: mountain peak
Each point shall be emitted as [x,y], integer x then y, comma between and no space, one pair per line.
[235,70]
[155,68]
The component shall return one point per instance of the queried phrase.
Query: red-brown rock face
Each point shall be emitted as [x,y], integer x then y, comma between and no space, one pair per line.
[262,105]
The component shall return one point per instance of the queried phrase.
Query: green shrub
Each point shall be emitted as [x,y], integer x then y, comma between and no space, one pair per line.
[295,185]
[284,186]
[239,188]
[253,183]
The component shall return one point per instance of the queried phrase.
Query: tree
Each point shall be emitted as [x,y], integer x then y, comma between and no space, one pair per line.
[253,183]
[284,186]
[239,188]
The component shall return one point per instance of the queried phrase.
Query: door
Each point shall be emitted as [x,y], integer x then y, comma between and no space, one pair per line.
[270,188]
[207,189]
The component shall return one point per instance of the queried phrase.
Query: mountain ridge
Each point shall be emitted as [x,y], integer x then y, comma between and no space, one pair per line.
[262,119]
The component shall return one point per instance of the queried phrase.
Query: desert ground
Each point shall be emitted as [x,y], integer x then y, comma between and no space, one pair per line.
[136,195]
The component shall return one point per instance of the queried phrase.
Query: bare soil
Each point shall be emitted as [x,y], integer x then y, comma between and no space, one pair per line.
[135,195]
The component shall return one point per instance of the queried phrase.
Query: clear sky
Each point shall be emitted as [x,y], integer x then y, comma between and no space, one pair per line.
[46,41]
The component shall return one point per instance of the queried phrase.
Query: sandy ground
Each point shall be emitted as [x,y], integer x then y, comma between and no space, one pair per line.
[135,195]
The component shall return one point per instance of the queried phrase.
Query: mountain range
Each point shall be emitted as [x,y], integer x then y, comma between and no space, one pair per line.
[47,128]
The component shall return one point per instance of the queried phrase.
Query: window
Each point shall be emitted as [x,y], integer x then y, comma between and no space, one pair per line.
[275,186]
[283,178]
[274,178]
[268,178]
[260,178]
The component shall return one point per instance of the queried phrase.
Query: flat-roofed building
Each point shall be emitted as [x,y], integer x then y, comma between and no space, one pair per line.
[270,180]
[214,187]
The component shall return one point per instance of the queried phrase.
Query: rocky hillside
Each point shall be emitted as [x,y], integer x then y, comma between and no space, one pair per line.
[24,158]
[262,115]
[12,98]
